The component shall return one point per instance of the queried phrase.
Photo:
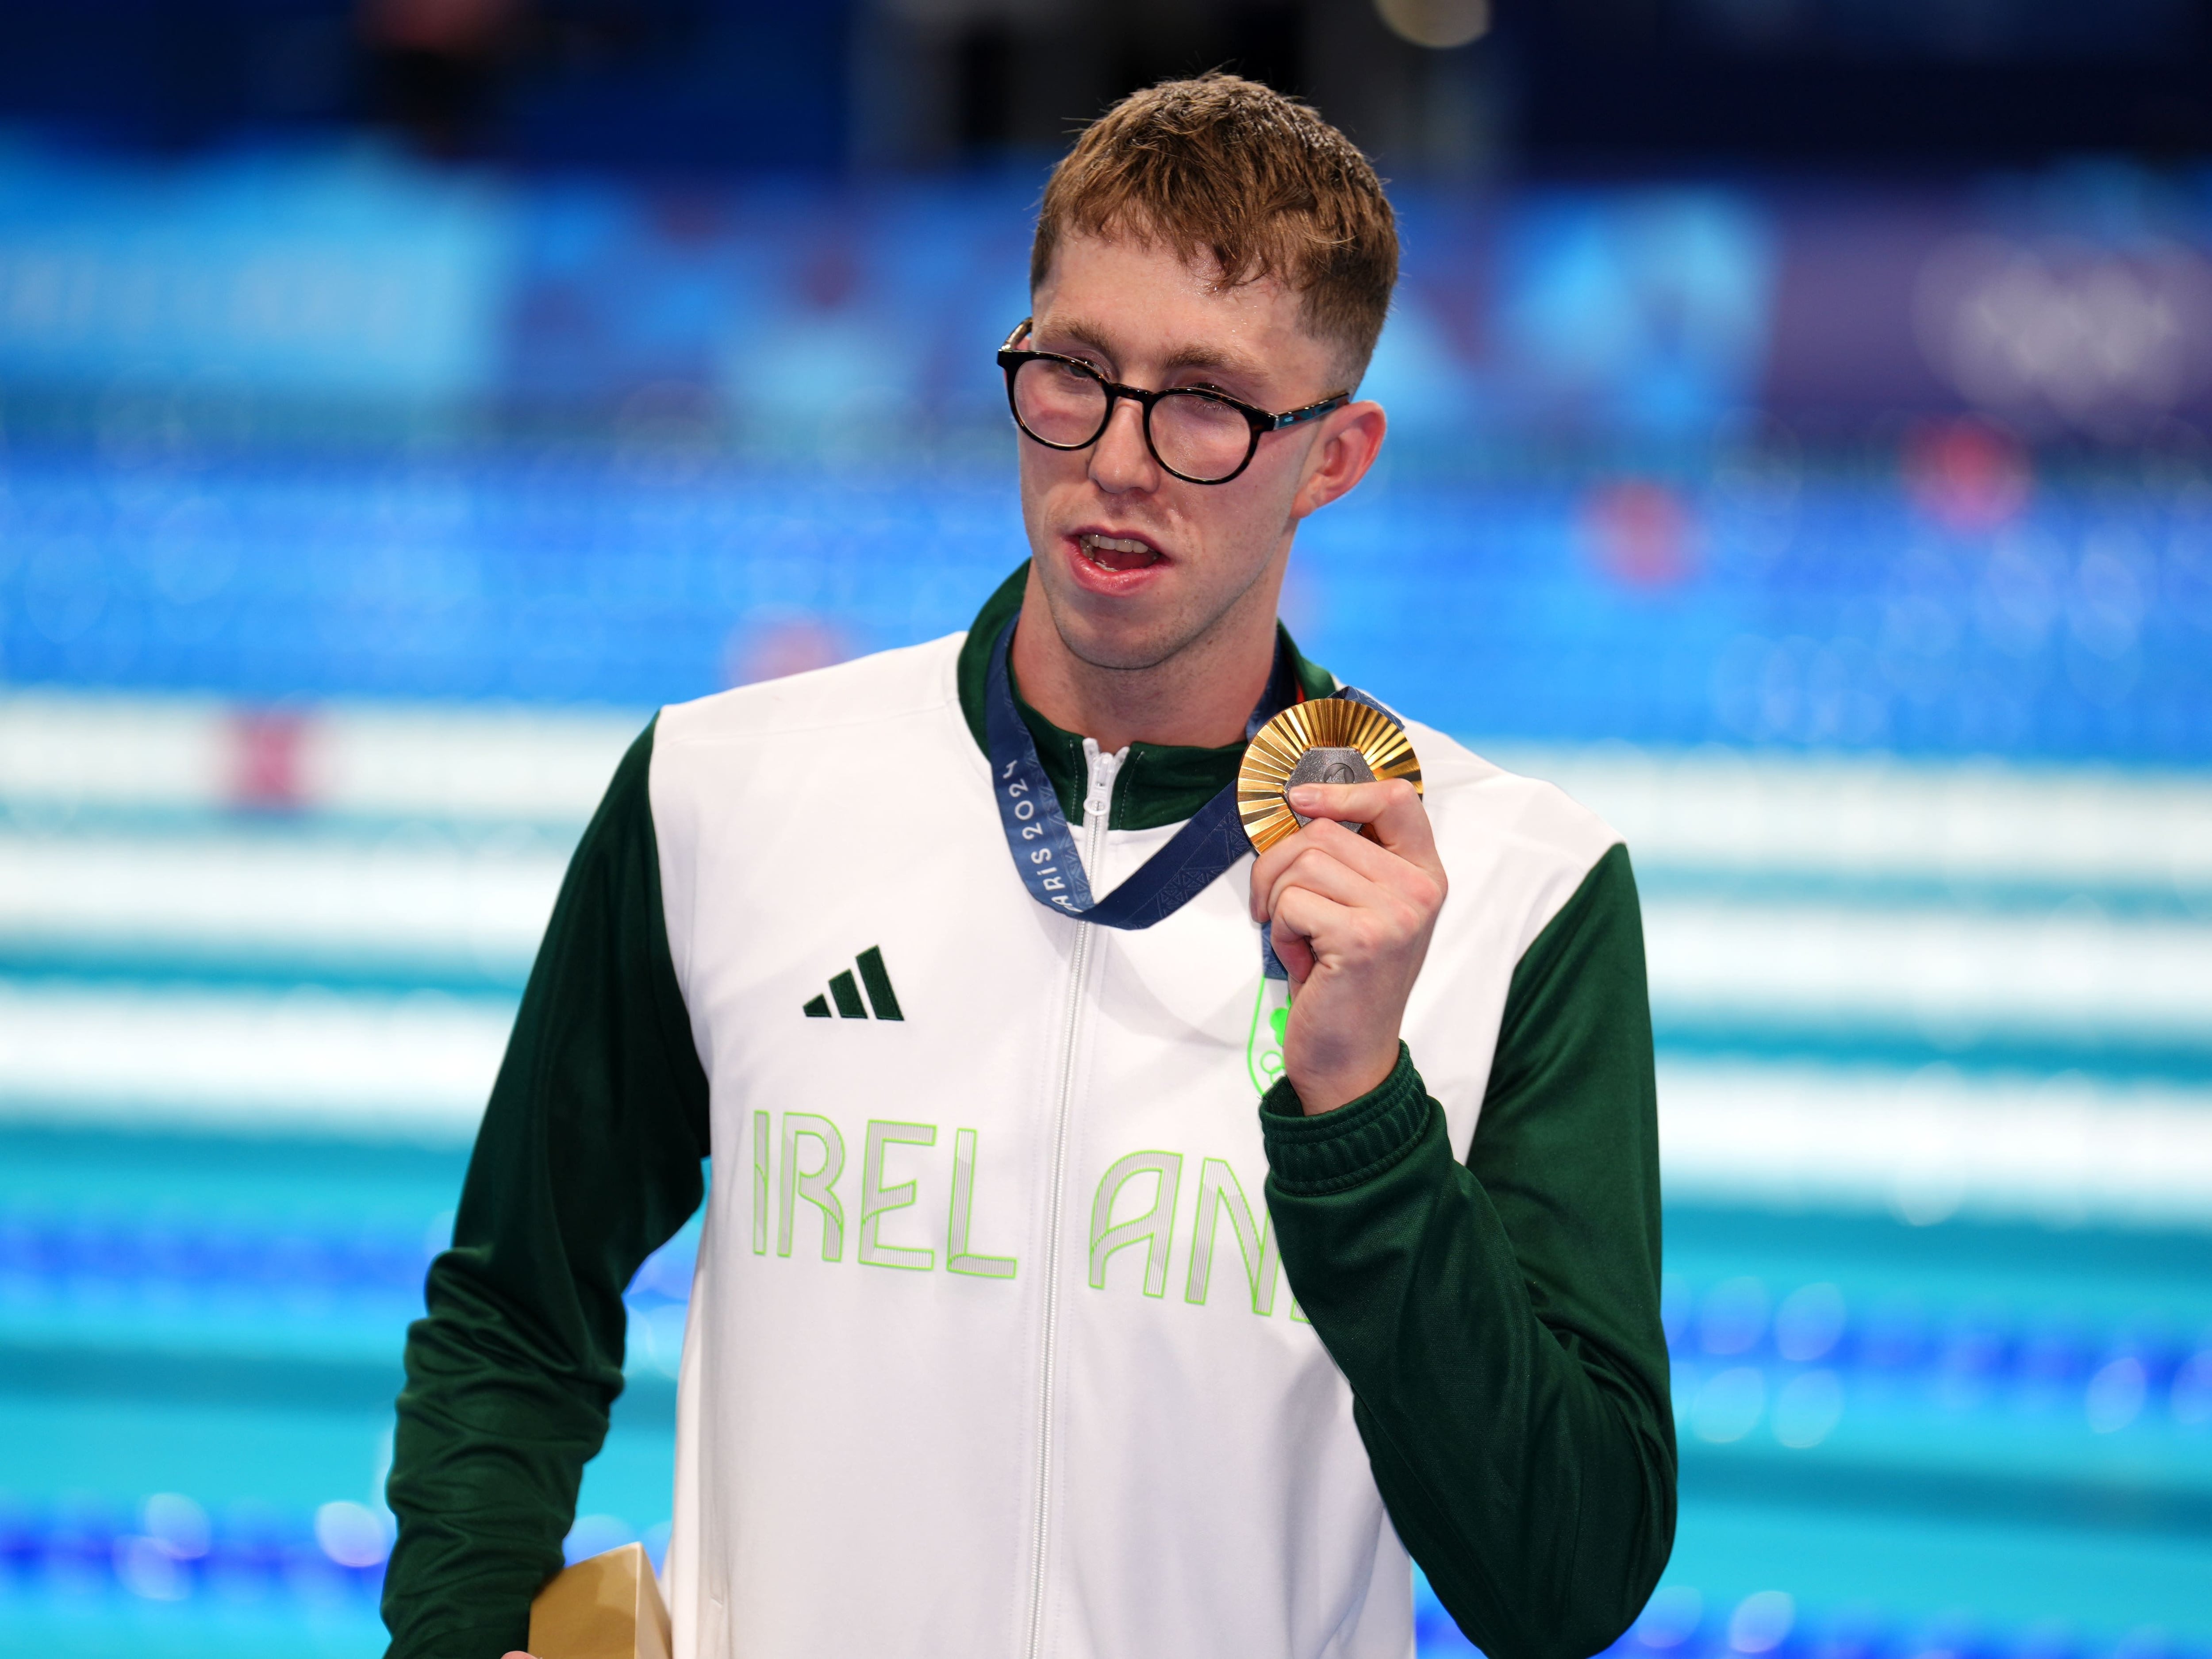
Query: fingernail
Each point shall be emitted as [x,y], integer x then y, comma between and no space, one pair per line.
[1304,798]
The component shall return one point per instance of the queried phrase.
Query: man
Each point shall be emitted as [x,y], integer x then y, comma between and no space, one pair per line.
[991,1351]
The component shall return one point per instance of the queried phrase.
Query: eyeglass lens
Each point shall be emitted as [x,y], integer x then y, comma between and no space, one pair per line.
[1191,434]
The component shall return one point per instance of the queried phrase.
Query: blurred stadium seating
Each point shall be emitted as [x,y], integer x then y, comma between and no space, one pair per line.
[1851,551]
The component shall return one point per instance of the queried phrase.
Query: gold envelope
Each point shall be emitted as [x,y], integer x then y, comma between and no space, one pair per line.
[607,1608]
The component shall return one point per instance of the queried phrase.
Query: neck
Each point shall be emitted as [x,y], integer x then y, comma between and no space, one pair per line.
[1200,697]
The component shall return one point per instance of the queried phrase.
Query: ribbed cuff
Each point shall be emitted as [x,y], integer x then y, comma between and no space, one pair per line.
[1358,1141]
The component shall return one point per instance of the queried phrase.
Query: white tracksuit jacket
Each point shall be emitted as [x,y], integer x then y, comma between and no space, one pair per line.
[990,1352]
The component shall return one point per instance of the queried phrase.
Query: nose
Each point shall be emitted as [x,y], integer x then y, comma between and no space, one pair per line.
[1121,461]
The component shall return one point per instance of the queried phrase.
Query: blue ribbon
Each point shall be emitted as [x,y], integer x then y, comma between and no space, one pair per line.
[1043,847]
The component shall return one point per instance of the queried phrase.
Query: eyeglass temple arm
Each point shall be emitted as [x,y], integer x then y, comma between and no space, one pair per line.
[1310,412]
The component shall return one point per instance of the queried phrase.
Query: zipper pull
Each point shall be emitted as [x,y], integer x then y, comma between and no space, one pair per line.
[1100,769]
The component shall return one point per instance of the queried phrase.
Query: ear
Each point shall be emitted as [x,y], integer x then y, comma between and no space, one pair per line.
[1349,440]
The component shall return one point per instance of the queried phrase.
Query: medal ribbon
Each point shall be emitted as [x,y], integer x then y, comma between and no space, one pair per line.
[1043,847]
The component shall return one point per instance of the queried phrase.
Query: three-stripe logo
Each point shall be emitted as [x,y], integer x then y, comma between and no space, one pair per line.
[882,999]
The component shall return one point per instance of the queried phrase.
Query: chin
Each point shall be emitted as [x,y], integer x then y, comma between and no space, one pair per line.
[1126,647]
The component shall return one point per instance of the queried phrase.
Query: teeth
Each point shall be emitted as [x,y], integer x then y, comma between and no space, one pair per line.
[1114,544]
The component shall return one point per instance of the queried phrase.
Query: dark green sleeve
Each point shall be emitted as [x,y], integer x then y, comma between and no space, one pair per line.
[1499,1321]
[587,1161]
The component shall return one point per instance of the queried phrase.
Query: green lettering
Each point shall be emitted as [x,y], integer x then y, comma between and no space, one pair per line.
[1154,1229]
[957,1257]
[1218,1190]
[878,1200]
[760,1183]
[817,1187]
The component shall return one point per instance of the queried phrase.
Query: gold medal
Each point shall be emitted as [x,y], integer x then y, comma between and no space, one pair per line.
[1324,740]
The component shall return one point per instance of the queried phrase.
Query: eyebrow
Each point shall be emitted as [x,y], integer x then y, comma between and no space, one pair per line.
[1186,357]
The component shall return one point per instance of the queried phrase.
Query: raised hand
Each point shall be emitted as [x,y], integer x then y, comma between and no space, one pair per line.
[1350,918]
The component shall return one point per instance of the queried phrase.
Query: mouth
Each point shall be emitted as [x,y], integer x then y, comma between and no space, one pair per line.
[1118,555]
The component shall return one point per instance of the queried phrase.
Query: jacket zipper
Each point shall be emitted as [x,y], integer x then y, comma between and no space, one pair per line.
[1100,769]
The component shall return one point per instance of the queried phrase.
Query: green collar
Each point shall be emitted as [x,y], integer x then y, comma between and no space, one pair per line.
[1160,784]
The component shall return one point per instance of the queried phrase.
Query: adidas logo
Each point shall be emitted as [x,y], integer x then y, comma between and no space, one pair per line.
[846,994]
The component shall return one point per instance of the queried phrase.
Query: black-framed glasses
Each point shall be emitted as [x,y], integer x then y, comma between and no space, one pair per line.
[1201,436]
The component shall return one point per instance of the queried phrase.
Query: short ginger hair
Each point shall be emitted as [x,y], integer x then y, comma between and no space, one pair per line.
[1223,166]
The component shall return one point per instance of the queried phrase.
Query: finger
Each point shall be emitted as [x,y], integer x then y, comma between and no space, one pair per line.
[1303,918]
[1386,869]
[1322,835]
[1269,867]
[1347,846]
[1294,953]
[1309,918]
[1391,808]
[1317,870]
